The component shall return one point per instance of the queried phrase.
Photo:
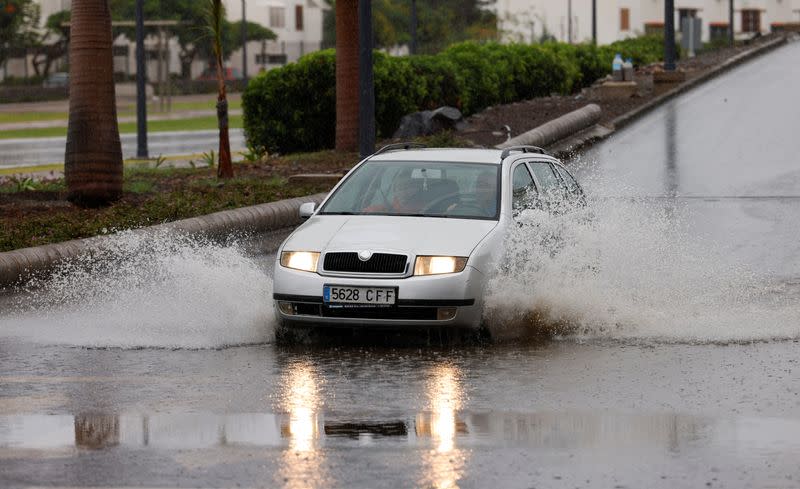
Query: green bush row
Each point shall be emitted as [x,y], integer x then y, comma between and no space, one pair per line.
[293,108]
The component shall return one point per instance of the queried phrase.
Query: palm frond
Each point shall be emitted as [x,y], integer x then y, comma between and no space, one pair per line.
[216,16]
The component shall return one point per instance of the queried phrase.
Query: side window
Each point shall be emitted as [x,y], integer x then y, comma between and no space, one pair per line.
[524,189]
[572,186]
[550,185]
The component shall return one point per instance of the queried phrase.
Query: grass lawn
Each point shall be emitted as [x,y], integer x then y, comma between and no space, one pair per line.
[193,124]
[11,117]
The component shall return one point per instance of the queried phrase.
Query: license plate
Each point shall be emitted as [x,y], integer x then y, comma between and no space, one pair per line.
[363,296]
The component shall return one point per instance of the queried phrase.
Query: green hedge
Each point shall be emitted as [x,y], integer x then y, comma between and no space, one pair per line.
[293,108]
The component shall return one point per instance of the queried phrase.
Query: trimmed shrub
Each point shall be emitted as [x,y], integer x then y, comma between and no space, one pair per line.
[293,108]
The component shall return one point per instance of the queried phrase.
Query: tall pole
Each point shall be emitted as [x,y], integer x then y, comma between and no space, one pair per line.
[569,21]
[669,35]
[141,73]
[413,49]
[730,22]
[366,86]
[244,42]
[594,21]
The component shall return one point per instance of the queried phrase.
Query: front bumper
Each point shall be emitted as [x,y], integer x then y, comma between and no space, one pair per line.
[450,300]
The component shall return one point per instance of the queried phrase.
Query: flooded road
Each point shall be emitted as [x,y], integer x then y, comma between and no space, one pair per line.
[553,415]
[675,362]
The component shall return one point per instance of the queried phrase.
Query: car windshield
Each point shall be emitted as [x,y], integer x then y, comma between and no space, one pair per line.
[457,190]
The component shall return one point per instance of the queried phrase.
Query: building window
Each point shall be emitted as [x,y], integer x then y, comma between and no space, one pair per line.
[685,13]
[751,20]
[718,30]
[277,17]
[271,59]
[624,19]
[298,17]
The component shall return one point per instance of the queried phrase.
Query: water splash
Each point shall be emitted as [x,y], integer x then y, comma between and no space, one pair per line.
[136,291]
[631,268]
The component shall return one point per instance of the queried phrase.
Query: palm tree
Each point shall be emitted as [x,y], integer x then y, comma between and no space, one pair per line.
[347,75]
[93,159]
[216,18]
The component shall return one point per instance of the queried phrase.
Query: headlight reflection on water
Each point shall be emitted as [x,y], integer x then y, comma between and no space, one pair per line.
[302,464]
[302,400]
[443,465]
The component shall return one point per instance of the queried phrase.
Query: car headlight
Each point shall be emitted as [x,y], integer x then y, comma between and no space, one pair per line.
[436,265]
[300,260]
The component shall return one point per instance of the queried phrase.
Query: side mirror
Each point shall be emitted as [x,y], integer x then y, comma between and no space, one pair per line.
[307,210]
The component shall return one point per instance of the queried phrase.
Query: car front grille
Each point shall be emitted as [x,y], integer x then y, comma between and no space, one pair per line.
[377,263]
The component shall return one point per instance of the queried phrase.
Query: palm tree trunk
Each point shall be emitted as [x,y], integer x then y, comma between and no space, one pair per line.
[93,158]
[225,168]
[216,17]
[347,75]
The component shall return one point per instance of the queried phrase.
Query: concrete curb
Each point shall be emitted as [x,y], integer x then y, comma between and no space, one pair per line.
[727,65]
[18,264]
[557,129]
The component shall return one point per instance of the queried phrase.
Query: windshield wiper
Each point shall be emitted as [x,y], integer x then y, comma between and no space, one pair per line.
[424,215]
[341,213]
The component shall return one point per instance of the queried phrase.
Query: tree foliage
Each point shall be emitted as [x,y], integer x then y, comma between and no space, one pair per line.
[18,21]
[439,24]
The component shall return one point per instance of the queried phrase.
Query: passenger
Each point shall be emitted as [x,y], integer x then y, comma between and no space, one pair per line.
[486,193]
[404,193]
[485,198]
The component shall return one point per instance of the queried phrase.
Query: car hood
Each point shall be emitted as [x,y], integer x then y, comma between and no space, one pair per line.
[414,235]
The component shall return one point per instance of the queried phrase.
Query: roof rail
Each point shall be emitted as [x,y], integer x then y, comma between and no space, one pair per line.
[522,149]
[396,146]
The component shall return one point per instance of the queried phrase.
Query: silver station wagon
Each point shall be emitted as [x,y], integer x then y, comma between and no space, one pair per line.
[410,237]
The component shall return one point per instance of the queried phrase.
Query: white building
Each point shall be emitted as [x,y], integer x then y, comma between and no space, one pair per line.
[527,20]
[297,23]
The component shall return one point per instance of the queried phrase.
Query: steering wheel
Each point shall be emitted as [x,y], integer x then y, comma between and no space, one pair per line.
[439,200]
[480,211]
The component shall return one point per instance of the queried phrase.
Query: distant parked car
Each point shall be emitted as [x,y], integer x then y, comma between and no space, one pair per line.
[231,74]
[410,237]
[60,79]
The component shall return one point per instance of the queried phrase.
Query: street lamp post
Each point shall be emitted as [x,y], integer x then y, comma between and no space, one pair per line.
[594,21]
[413,49]
[141,101]
[569,21]
[730,22]
[669,35]
[244,41]
[366,86]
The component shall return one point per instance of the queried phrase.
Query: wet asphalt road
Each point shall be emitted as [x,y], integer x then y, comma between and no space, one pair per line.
[45,151]
[554,415]
[610,411]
